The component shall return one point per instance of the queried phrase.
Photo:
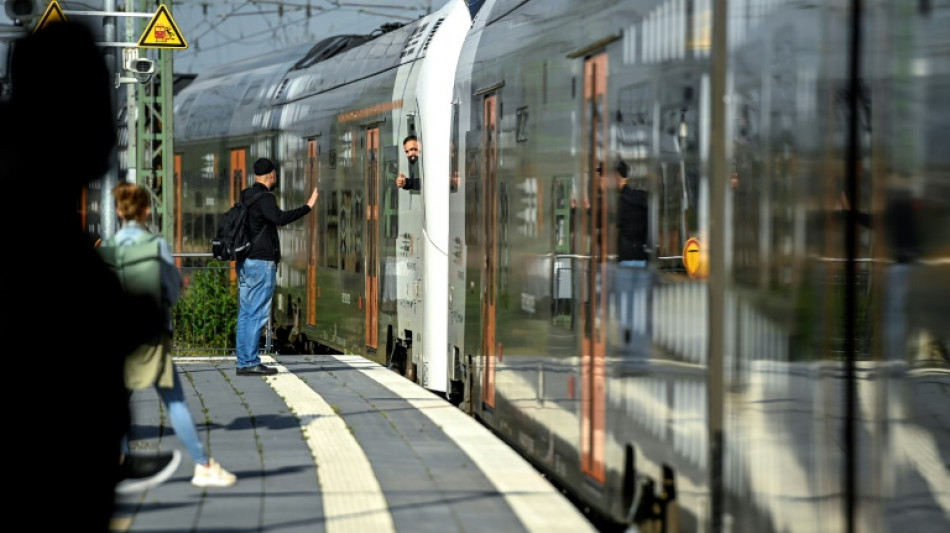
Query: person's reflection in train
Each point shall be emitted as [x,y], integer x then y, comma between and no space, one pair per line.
[413,148]
[633,276]
[900,224]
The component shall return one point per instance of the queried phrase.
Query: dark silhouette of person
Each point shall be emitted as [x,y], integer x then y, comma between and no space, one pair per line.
[57,134]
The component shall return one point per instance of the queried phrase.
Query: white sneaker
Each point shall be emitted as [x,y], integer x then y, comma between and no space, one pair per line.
[138,473]
[213,475]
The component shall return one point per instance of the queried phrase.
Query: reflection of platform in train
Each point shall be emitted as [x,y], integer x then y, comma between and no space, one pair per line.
[337,443]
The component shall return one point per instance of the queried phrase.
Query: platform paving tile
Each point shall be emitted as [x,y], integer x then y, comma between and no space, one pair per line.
[366,408]
[329,444]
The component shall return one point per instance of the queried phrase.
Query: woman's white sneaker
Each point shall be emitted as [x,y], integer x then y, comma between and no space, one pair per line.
[213,475]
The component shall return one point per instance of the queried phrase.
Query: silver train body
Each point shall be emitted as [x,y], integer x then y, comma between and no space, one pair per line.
[367,274]
[764,372]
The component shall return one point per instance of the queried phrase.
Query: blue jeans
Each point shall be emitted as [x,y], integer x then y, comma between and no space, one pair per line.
[257,280]
[634,287]
[635,263]
[182,422]
[895,311]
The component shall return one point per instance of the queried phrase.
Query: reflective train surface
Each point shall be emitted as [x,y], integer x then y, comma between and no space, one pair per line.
[779,363]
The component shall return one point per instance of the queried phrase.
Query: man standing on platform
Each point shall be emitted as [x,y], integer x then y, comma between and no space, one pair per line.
[257,272]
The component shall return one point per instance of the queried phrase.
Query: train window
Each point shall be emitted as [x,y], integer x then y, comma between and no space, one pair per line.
[472,192]
[453,150]
[562,280]
[561,199]
[522,129]
[414,171]
[504,244]
[357,226]
[390,196]
[332,232]
[344,228]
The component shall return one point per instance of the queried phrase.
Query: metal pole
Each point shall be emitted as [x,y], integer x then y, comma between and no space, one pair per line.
[131,107]
[108,218]
[850,292]
[718,276]
[167,80]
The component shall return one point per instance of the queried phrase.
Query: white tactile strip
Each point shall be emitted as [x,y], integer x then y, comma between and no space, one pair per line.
[522,486]
[352,498]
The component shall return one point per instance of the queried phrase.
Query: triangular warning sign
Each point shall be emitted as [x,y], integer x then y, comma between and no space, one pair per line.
[52,14]
[162,32]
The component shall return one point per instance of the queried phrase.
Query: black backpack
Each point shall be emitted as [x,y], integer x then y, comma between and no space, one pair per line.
[233,242]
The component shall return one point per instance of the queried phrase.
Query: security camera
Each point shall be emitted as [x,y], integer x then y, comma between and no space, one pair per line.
[23,11]
[140,65]
[141,68]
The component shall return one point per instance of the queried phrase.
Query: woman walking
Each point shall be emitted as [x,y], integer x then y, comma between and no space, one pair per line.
[151,364]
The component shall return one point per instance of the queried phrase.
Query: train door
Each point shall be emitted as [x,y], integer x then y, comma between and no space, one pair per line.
[238,181]
[313,178]
[372,237]
[490,230]
[594,323]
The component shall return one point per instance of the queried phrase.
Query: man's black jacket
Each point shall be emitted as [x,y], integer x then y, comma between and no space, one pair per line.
[264,213]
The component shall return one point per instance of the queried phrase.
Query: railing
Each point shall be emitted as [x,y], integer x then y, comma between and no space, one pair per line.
[205,316]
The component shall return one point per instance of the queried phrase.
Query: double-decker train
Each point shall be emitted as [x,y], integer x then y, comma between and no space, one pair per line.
[779,363]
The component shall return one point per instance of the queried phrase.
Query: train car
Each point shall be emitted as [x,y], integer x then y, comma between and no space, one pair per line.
[360,275]
[777,363]
[765,371]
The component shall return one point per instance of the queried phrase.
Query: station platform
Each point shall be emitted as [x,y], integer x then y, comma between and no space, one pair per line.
[335,443]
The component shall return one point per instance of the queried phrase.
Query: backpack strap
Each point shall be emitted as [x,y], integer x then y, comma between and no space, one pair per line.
[248,207]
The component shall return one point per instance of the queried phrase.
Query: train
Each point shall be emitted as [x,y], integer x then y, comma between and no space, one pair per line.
[778,363]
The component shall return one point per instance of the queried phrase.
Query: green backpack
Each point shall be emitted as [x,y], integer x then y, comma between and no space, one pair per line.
[138,266]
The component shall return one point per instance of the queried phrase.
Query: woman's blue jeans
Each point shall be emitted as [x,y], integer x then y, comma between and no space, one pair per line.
[181,420]
[256,282]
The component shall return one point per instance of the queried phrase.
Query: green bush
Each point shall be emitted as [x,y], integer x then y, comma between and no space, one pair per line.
[205,316]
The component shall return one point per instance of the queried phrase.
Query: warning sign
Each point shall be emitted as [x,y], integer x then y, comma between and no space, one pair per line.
[53,13]
[693,258]
[162,32]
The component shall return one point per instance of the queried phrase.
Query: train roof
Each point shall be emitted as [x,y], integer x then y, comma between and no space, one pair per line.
[230,99]
[225,97]
[302,55]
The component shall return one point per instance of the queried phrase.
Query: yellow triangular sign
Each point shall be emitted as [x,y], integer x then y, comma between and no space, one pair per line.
[162,32]
[52,14]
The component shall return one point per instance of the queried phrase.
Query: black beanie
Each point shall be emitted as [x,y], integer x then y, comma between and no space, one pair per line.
[622,168]
[263,166]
